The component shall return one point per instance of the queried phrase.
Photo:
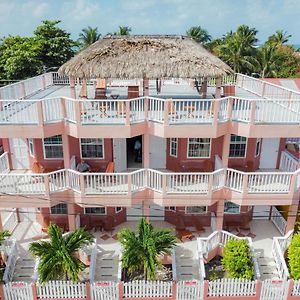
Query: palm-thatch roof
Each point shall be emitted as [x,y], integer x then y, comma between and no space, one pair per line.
[130,57]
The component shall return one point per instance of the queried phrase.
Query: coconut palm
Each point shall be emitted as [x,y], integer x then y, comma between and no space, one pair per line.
[279,38]
[58,258]
[141,250]
[239,48]
[89,36]
[199,34]
[124,30]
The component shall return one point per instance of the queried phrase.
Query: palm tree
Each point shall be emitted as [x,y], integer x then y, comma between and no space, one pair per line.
[58,258]
[268,59]
[123,30]
[279,38]
[4,235]
[199,34]
[89,36]
[141,250]
[239,48]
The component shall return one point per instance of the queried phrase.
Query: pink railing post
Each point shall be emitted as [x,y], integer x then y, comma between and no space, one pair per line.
[164,185]
[146,107]
[229,108]
[127,107]
[205,289]
[40,113]
[258,289]
[174,290]
[129,183]
[77,112]
[88,290]
[216,111]
[34,291]
[2,291]
[121,290]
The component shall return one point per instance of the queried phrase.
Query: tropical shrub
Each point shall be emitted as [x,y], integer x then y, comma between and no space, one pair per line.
[141,249]
[237,260]
[58,256]
[294,256]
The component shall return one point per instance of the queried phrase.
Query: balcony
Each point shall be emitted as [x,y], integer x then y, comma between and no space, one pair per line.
[259,109]
[163,187]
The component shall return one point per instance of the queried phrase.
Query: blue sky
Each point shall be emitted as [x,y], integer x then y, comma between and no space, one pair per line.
[153,16]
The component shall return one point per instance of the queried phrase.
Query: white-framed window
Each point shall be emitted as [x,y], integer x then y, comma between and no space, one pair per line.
[118,209]
[231,208]
[198,148]
[172,208]
[53,148]
[238,146]
[31,147]
[92,148]
[258,147]
[59,209]
[95,210]
[173,146]
[195,209]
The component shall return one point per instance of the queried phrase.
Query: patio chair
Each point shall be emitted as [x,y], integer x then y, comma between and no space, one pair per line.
[121,109]
[100,93]
[198,225]
[179,223]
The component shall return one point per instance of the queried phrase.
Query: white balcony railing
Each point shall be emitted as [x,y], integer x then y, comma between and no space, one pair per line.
[4,165]
[167,183]
[165,111]
[288,162]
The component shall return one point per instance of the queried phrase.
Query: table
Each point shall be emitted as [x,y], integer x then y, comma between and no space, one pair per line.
[185,234]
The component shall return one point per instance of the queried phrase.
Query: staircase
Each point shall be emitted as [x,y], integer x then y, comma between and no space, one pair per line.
[24,269]
[187,267]
[107,266]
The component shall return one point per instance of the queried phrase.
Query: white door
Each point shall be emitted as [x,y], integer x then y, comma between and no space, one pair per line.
[19,153]
[269,153]
[157,213]
[157,152]
[135,212]
[120,156]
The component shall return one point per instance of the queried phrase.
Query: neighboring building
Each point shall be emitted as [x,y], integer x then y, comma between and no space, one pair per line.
[220,160]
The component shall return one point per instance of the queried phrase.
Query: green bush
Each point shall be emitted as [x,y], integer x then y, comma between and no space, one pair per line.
[237,260]
[294,256]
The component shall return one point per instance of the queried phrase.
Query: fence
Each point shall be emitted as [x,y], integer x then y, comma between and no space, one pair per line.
[105,290]
[61,290]
[4,165]
[288,162]
[144,289]
[278,220]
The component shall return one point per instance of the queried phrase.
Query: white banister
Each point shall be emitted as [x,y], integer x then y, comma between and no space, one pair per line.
[4,165]
[288,162]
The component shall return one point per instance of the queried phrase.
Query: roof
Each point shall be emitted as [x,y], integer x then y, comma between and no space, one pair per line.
[130,57]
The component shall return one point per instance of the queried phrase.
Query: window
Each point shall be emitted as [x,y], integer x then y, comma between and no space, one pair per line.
[118,209]
[258,147]
[195,209]
[53,147]
[91,148]
[31,147]
[95,210]
[172,208]
[237,146]
[231,208]
[198,147]
[59,209]
[173,146]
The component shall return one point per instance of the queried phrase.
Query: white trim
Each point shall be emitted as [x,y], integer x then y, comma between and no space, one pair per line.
[97,214]
[94,158]
[117,212]
[260,143]
[53,158]
[30,141]
[197,157]
[246,148]
[170,147]
[195,213]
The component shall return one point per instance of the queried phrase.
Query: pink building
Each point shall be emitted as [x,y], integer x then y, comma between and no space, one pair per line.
[216,154]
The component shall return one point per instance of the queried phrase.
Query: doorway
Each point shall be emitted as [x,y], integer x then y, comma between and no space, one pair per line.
[134,147]
[19,153]
[269,153]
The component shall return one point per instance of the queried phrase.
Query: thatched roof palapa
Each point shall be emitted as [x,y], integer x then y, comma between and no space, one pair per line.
[151,57]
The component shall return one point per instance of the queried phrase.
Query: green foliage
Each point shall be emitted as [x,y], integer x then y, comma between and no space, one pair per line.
[4,235]
[56,46]
[199,34]
[58,260]
[294,256]
[141,250]
[237,260]
[88,36]
[19,58]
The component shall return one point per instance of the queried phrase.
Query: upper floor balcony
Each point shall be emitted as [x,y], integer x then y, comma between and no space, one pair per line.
[164,187]
[43,108]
